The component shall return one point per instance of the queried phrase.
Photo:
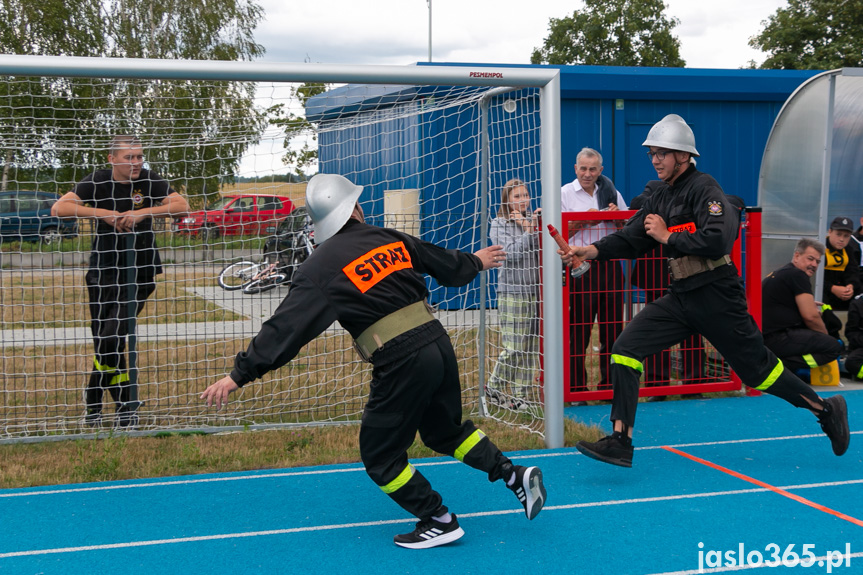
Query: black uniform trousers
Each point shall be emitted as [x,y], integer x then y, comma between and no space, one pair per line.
[109,310]
[803,348]
[854,363]
[657,368]
[595,296]
[718,311]
[420,392]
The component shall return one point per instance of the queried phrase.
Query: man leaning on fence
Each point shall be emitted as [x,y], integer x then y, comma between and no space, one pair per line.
[124,262]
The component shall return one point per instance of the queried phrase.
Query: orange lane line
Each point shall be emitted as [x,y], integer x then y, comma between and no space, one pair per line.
[760,483]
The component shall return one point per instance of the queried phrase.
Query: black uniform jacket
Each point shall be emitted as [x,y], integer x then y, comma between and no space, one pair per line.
[703,222]
[99,190]
[358,276]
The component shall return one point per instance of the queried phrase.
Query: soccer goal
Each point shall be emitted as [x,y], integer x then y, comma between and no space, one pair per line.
[432,145]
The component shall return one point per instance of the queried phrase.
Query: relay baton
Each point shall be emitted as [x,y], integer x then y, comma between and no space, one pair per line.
[576,271]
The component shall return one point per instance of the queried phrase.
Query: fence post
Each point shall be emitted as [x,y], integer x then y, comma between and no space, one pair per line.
[752,230]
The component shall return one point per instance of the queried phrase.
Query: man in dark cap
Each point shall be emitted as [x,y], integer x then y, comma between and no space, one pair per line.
[841,265]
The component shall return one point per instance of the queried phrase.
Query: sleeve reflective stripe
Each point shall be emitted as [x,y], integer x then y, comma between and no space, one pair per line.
[774,375]
[468,444]
[101,367]
[119,378]
[628,362]
[399,481]
[810,361]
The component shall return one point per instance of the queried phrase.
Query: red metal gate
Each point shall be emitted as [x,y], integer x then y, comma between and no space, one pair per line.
[597,308]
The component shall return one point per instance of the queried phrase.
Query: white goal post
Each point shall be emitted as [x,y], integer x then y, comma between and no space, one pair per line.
[432,144]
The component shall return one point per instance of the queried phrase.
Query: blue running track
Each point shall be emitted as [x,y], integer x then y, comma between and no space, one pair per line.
[709,477]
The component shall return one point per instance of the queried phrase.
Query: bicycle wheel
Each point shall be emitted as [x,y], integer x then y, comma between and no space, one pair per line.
[264,284]
[238,274]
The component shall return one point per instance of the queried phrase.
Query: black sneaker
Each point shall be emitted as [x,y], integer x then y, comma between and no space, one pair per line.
[529,489]
[835,423]
[429,534]
[609,449]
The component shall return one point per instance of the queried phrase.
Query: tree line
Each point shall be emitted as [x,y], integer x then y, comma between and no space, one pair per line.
[804,35]
[197,132]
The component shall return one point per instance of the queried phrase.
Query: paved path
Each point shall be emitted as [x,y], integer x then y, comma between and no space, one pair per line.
[255,308]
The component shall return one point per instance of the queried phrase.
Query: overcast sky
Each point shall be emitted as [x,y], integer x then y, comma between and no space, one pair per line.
[712,33]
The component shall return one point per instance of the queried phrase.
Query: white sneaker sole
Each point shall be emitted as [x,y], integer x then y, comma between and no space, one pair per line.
[434,541]
[534,491]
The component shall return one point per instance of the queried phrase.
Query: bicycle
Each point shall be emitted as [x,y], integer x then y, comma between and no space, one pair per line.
[252,277]
[284,252]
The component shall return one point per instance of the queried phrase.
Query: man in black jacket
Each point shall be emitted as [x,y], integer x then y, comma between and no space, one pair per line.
[793,326]
[124,262]
[369,280]
[650,273]
[698,224]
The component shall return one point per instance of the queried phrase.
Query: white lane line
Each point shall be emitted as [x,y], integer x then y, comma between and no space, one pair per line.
[522,455]
[317,528]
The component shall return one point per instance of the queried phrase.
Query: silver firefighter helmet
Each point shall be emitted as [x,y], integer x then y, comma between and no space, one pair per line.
[330,200]
[673,133]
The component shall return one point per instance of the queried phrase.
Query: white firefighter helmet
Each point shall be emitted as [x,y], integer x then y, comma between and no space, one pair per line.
[330,200]
[673,133]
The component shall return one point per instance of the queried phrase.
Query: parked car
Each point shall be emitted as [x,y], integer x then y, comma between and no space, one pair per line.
[26,215]
[237,215]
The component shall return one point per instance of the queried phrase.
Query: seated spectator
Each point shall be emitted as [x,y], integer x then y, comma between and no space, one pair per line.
[841,266]
[792,323]
[854,335]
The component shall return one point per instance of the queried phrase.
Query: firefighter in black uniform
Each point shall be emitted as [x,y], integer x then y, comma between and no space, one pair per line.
[123,201]
[695,220]
[793,325]
[368,279]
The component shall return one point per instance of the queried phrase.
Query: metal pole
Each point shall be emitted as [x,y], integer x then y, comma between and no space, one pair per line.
[483,223]
[552,294]
[825,176]
[430,29]
[74,67]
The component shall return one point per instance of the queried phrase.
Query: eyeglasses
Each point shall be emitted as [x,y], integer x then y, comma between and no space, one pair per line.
[660,154]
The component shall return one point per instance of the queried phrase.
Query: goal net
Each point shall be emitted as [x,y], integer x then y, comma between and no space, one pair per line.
[433,160]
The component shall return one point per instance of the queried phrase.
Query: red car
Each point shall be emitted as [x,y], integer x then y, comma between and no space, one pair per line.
[237,215]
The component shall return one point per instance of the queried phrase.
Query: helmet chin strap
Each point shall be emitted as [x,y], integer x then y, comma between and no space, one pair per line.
[673,173]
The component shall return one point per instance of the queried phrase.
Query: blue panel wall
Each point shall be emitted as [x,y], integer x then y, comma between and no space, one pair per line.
[730,136]
[610,109]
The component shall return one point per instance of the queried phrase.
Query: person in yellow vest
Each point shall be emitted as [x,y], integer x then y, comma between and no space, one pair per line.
[841,265]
